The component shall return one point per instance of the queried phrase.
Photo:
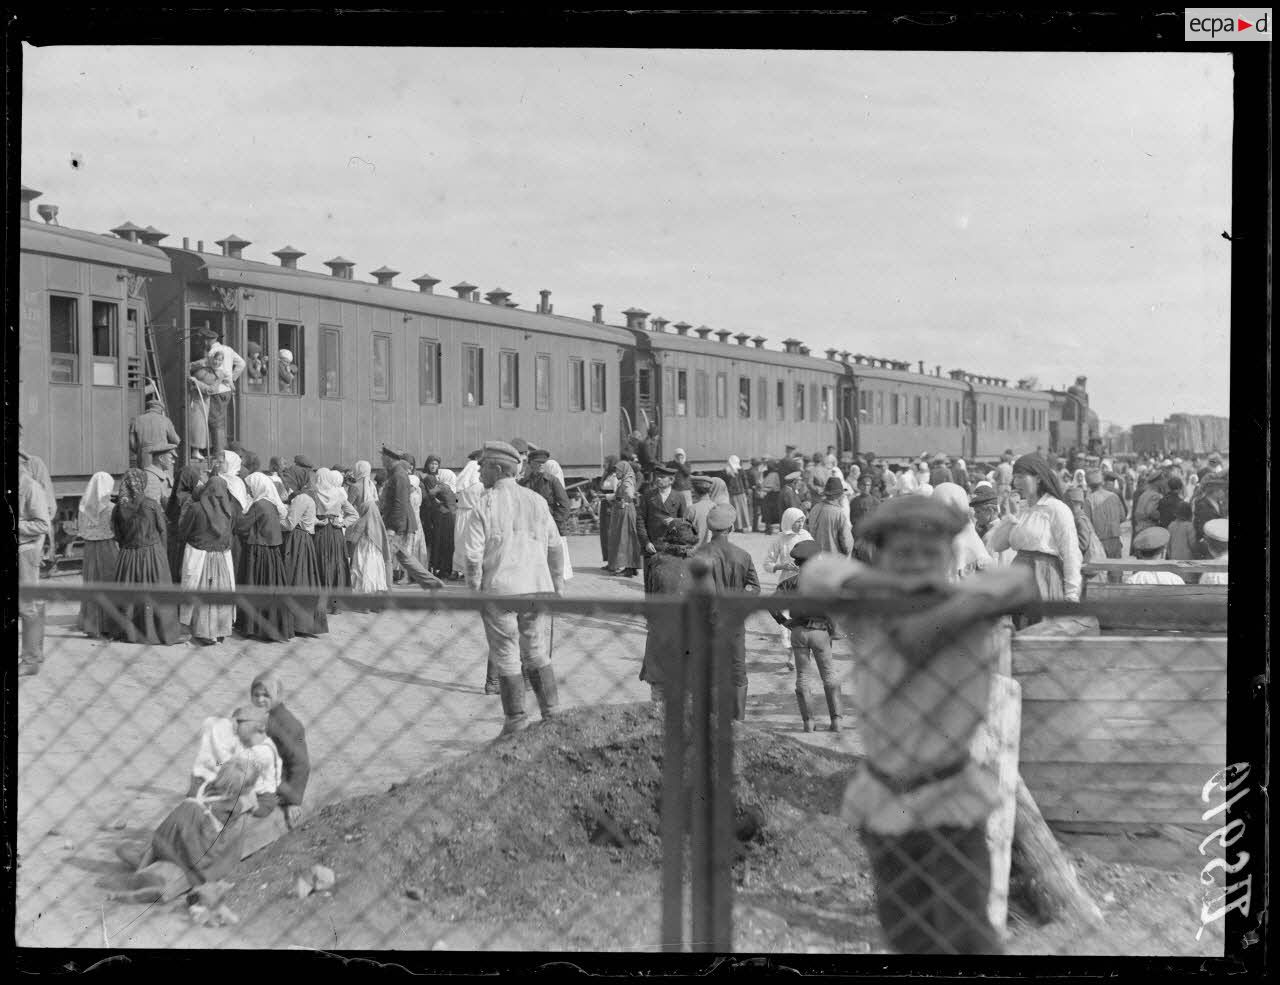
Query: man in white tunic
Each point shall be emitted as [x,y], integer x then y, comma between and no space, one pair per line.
[1215,539]
[512,547]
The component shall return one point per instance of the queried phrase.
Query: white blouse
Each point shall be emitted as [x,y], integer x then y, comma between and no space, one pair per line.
[1049,528]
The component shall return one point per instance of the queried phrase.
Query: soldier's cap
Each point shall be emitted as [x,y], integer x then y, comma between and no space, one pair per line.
[303,461]
[158,448]
[1167,463]
[701,483]
[390,452]
[722,517]
[660,469]
[1093,475]
[208,333]
[521,446]
[922,513]
[1215,530]
[1151,539]
[500,451]
[250,713]
[804,550]
[983,496]
[540,455]
[791,477]
[1074,494]
[834,486]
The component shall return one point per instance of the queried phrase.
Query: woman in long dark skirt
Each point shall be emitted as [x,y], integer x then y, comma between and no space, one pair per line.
[625,556]
[140,531]
[101,552]
[301,569]
[442,503]
[606,486]
[185,487]
[262,563]
[333,515]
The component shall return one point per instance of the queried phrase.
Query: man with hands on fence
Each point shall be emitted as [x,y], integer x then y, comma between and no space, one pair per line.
[512,547]
[921,685]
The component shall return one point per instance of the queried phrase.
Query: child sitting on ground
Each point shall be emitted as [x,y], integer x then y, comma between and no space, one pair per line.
[921,686]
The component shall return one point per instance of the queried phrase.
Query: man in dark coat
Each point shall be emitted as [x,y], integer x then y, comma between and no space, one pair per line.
[657,508]
[401,519]
[647,452]
[548,487]
[732,570]
[1210,506]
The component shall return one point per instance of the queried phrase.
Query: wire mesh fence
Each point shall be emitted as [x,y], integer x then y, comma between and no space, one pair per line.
[890,779]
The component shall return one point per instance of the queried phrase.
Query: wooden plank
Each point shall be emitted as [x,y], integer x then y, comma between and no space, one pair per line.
[1038,748]
[1191,723]
[1134,564]
[1171,653]
[1083,792]
[1100,592]
[1060,626]
[1108,683]
[1161,613]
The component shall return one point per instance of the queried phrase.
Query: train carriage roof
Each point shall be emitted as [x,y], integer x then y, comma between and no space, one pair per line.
[251,273]
[79,244]
[663,342]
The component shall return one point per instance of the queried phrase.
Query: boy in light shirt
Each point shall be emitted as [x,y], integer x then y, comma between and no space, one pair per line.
[1150,545]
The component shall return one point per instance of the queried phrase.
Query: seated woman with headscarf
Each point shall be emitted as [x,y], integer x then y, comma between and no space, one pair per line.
[290,740]
[625,555]
[1043,532]
[208,528]
[262,563]
[139,529]
[301,567]
[334,514]
[667,573]
[100,550]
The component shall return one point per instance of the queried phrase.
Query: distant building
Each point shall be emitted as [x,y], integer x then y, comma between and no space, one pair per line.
[1180,434]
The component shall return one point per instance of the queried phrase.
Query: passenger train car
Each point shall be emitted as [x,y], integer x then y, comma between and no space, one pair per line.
[101,314]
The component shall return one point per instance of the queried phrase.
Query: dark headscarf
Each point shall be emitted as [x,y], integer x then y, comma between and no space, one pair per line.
[184,490]
[295,478]
[210,524]
[1035,465]
[249,463]
[132,488]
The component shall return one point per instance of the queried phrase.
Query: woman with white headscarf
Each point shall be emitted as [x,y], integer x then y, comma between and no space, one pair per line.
[971,554]
[370,548]
[467,495]
[100,549]
[262,562]
[625,556]
[736,485]
[417,539]
[335,512]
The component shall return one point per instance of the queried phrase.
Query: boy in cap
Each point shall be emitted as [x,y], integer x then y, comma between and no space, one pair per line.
[922,684]
[732,570]
[829,522]
[811,633]
[1215,539]
[658,507]
[159,472]
[1149,545]
[548,487]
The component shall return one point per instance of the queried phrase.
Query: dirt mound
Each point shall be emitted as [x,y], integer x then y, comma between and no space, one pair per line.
[533,826]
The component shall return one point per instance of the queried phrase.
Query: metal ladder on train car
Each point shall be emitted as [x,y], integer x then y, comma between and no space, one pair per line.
[154,381]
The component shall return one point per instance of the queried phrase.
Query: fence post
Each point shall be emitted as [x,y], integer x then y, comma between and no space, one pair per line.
[702,788]
[726,635]
[675,803]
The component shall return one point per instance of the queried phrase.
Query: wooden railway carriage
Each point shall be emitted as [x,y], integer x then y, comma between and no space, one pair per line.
[378,364]
[82,316]
[713,398]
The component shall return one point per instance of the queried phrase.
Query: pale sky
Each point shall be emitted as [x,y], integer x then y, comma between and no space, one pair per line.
[1012,214]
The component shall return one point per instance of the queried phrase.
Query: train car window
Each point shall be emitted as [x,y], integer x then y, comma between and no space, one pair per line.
[813,402]
[380,388]
[472,376]
[644,386]
[984,414]
[682,392]
[917,416]
[780,404]
[508,379]
[829,403]
[106,343]
[799,391]
[577,384]
[722,395]
[762,399]
[701,394]
[257,360]
[542,381]
[331,362]
[64,340]
[744,396]
[291,367]
[879,406]
[597,387]
[428,371]
[893,409]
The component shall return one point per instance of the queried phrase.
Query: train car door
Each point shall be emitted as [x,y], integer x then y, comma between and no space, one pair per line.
[227,328]
[846,431]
